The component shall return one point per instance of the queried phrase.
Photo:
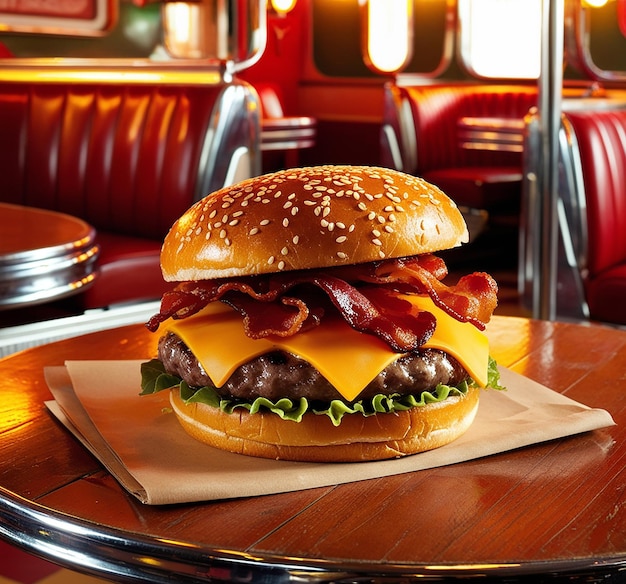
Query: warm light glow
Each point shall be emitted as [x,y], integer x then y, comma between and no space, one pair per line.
[182,21]
[45,72]
[501,38]
[388,34]
[594,3]
[283,6]
[230,33]
[179,17]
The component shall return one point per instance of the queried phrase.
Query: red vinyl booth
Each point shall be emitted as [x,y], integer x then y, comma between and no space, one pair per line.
[467,139]
[600,137]
[128,159]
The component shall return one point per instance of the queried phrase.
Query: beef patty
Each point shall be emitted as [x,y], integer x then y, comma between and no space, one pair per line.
[280,374]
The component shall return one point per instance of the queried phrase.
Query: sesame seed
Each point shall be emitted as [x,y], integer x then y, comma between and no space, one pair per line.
[375,233]
[388,209]
[381,254]
[341,239]
[388,228]
[285,222]
[341,255]
[324,223]
[296,239]
[227,241]
[271,260]
[294,211]
[377,241]
[264,222]
[281,265]
[223,233]
[392,217]
[253,231]
[284,251]
[371,215]
[340,225]
[362,206]
[234,222]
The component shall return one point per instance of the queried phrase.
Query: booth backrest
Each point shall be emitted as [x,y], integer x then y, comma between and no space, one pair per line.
[425,122]
[129,159]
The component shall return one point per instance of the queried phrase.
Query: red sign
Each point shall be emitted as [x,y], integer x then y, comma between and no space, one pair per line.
[72,17]
[83,9]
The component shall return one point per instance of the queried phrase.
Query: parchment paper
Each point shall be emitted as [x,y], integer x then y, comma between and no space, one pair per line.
[138,439]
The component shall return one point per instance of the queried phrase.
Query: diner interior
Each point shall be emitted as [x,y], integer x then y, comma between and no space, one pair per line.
[115,120]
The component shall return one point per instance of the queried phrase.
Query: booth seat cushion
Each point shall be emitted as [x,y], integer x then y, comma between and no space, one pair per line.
[479,187]
[128,270]
[606,295]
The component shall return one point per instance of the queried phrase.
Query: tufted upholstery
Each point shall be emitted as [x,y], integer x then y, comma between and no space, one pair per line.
[601,140]
[129,159]
[424,122]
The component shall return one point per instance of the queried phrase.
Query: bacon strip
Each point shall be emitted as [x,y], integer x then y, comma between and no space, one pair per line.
[282,304]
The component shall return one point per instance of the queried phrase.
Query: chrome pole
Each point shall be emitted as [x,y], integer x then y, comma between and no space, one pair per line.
[549,113]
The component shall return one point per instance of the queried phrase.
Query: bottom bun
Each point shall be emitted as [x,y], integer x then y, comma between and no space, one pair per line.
[316,439]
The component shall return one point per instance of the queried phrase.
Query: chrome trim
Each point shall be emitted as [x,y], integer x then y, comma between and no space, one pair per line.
[235,123]
[105,551]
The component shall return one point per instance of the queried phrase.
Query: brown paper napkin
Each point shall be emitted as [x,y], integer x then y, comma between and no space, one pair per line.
[140,442]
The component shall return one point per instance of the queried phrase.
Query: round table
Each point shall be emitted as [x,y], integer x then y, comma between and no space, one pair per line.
[551,512]
[44,255]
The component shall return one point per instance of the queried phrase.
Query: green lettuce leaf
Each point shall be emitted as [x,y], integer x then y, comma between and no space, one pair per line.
[154,379]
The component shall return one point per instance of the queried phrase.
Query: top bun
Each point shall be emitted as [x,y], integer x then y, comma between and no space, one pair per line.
[314,217]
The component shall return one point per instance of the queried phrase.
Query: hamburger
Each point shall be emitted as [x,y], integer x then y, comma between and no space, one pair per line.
[311,321]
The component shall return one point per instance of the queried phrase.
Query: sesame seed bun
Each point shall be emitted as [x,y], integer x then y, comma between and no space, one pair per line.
[312,217]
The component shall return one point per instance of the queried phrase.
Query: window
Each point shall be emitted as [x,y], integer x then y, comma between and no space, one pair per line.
[501,38]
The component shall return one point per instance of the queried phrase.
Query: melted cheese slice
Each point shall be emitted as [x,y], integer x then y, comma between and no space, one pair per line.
[348,359]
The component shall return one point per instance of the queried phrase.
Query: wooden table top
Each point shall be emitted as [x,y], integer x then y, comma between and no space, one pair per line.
[557,507]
